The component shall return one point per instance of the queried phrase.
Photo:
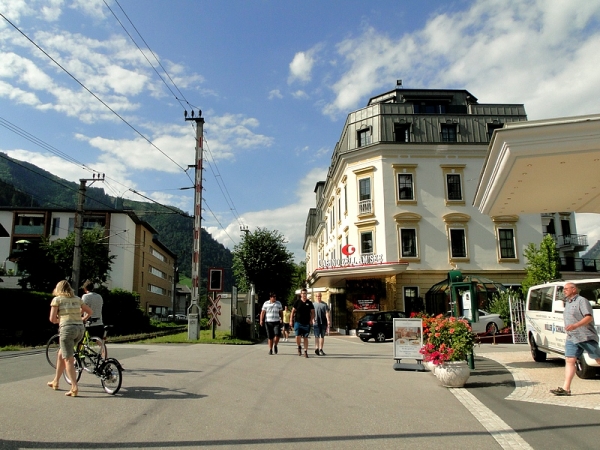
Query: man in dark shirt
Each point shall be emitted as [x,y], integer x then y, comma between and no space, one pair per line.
[303,314]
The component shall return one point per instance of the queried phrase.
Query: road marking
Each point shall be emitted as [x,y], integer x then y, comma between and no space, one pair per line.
[500,431]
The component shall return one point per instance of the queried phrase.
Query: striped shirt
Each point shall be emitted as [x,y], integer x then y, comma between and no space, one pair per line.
[272,311]
[69,309]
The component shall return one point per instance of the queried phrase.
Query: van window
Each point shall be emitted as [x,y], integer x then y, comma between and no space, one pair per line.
[547,298]
[540,299]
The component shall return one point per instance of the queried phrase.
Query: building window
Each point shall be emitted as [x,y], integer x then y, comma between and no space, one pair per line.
[491,127]
[55,226]
[453,186]
[411,296]
[365,205]
[401,132]
[156,289]
[448,132]
[458,243]
[71,224]
[345,199]
[408,242]
[405,186]
[366,242]
[506,241]
[157,272]
[429,108]
[157,254]
[364,137]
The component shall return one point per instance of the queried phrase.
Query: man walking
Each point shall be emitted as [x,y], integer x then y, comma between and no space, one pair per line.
[303,314]
[321,324]
[581,334]
[272,312]
[94,301]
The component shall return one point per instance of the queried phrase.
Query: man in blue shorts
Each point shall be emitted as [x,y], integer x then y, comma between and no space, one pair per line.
[581,334]
[321,325]
[303,314]
[271,316]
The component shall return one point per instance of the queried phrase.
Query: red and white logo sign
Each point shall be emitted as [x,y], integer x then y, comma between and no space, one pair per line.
[348,249]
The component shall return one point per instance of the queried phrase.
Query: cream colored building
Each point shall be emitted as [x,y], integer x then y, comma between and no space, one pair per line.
[395,212]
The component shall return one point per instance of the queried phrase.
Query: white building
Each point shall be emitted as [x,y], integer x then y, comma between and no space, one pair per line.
[395,213]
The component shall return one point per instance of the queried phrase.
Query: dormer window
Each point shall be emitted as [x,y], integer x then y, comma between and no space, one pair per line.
[448,132]
[364,137]
[402,132]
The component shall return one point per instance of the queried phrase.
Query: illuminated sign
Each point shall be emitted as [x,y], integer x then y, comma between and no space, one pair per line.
[350,262]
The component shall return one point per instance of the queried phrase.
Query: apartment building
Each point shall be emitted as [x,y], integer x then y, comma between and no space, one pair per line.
[395,212]
[142,263]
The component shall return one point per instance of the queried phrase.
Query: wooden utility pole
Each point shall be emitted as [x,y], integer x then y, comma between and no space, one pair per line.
[196,280]
[78,226]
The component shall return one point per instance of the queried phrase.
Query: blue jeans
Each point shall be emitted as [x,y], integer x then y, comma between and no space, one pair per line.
[320,330]
[301,330]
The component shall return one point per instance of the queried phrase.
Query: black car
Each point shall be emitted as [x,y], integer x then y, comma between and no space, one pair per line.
[378,325]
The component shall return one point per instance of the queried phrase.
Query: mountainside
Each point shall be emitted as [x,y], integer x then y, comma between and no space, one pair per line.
[23,184]
[593,252]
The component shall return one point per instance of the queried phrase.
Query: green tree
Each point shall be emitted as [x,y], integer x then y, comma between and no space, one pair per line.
[263,259]
[50,262]
[298,280]
[543,264]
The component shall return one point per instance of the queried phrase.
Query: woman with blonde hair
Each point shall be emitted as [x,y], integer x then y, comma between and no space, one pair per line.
[66,310]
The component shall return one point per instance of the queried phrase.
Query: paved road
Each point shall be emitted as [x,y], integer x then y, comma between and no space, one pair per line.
[189,396]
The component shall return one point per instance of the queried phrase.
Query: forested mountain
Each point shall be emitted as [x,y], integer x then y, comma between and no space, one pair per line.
[25,185]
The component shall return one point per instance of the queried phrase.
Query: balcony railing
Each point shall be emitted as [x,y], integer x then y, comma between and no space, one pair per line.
[576,240]
[568,264]
[29,229]
[365,207]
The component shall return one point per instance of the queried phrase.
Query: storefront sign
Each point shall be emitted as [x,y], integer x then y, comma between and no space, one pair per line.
[408,338]
[351,261]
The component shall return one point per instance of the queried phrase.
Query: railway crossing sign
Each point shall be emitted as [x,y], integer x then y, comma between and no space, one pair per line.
[214,310]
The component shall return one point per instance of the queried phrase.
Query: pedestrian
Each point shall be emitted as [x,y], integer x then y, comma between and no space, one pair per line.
[303,314]
[271,316]
[95,302]
[321,323]
[581,334]
[66,310]
[286,323]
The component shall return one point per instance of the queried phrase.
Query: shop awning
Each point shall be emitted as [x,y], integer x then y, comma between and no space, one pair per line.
[336,276]
[542,166]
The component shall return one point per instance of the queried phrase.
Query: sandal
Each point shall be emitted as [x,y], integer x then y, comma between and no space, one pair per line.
[72,393]
[560,392]
[53,385]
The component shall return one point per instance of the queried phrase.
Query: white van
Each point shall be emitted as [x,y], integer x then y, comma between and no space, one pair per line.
[545,324]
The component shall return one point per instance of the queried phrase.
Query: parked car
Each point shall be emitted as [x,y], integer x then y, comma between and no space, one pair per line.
[378,325]
[488,323]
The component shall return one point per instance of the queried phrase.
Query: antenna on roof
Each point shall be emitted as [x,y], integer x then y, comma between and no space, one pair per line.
[398,83]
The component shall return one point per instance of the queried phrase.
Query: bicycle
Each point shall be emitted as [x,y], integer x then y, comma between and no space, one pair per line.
[89,356]
[94,343]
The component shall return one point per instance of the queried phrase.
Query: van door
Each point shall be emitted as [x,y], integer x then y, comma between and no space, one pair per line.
[539,315]
[556,328]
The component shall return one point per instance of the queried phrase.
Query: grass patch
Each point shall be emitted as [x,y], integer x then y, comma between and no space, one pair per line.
[12,348]
[221,337]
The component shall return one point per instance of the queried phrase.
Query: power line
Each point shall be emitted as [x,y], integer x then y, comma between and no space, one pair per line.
[90,92]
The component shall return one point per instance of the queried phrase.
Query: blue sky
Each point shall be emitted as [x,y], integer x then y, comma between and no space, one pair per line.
[275,81]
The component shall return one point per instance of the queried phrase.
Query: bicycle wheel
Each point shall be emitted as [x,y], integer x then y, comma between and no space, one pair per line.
[52,348]
[93,353]
[78,370]
[111,376]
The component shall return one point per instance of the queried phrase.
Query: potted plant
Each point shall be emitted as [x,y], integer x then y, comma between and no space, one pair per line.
[448,342]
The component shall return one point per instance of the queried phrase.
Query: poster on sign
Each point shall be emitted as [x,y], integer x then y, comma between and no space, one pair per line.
[408,338]
[366,304]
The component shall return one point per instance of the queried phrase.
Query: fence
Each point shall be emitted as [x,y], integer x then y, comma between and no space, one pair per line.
[517,319]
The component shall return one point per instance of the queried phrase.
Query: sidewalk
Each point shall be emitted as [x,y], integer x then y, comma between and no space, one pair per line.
[534,380]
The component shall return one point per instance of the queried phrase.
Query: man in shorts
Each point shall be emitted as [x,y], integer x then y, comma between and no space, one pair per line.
[271,316]
[581,334]
[94,301]
[303,314]
[321,324]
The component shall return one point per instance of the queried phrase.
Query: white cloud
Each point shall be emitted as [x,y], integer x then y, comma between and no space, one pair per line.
[542,54]
[275,93]
[288,220]
[299,94]
[302,65]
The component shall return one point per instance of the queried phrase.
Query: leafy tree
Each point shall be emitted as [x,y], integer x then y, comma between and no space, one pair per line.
[543,264]
[298,280]
[50,262]
[263,259]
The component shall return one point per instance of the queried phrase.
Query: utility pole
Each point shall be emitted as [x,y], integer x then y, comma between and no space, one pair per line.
[78,226]
[196,280]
